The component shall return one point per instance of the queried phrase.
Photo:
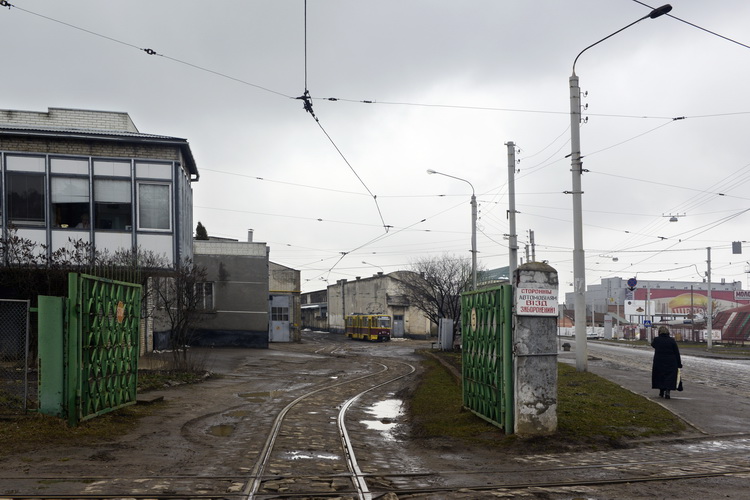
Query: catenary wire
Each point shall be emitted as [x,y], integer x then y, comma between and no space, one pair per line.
[698,27]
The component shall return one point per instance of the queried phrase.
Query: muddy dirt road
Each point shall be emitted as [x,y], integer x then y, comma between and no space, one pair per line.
[271,427]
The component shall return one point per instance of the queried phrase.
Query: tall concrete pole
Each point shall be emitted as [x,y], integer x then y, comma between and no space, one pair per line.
[513,236]
[709,308]
[473,238]
[579,263]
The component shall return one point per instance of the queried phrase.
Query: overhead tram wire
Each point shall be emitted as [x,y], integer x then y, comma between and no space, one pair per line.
[373,240]
[307,104]
[286,183]
[6,3]
[730,182]
[378,238]
[681,240]
[670,185]
[151,52]
[698,27]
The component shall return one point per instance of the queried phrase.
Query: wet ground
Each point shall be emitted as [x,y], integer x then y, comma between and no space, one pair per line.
[214,431]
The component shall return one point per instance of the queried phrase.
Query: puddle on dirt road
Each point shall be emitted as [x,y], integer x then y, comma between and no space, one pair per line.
[717,445]
[309,455]
[222,430]
[385,413]
[259,397]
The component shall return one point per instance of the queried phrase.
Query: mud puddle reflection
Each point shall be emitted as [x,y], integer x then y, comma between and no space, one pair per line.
[385,415]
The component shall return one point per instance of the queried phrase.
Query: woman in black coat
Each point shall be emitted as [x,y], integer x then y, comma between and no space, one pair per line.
[666,362]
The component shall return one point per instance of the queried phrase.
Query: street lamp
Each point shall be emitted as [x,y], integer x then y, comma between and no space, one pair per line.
[579,262]
[473,227]
[373,265]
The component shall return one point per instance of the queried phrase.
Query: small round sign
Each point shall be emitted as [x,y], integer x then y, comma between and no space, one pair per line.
[632,282]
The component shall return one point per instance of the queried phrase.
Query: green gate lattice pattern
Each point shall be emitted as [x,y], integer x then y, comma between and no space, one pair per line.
[108,325]
[486,335]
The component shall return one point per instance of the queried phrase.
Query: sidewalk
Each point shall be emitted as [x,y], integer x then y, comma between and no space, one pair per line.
[712,412]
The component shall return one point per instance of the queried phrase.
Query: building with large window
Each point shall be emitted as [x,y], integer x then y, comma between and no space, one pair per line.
[69,174]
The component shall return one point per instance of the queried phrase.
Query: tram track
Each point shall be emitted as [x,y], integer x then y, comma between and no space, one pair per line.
[346,462]
[273,453]
[404,492]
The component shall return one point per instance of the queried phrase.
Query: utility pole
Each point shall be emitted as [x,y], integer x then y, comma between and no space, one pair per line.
[513,236]
[709,312]
[692,315]
[533,245]
[648,311]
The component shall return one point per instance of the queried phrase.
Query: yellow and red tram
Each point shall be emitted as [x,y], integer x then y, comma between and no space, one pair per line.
[374,327]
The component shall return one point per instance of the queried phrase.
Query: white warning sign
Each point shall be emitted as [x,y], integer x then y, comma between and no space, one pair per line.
[534,299]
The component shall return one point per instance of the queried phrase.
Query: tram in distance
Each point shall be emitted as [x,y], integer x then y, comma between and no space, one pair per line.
[374,327]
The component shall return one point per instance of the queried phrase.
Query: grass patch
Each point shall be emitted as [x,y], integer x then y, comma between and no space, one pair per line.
[437,409]
[592,413]
[591,408]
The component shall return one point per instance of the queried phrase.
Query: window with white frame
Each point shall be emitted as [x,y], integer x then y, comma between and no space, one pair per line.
[70,202]
[204,295]
[26,198]
[113,207]
[69,193]
[154,206]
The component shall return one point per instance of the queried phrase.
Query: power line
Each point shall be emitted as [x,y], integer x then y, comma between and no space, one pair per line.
[148,51]
[671,185]
[698,27]
[308,106]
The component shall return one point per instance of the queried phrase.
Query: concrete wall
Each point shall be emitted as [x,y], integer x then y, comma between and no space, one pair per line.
[239,272]
[377,294]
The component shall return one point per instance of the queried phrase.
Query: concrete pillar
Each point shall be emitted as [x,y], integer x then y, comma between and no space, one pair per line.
[535,287]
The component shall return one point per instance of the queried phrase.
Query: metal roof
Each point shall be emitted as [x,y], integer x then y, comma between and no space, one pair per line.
[105,135]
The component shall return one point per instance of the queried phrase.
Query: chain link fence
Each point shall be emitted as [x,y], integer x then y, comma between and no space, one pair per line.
[18,377]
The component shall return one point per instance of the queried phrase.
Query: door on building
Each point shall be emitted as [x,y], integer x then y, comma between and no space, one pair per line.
[397,330]
[279,324]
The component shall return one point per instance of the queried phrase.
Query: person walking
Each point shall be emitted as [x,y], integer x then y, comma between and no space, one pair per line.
[667,361]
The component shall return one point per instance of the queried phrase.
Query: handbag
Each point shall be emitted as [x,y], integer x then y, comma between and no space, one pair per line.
[679,379]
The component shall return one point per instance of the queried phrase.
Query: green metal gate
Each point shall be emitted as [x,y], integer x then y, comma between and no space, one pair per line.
[487,364]
[88,348]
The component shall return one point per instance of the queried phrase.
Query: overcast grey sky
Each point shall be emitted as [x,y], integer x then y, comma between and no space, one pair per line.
[451,83]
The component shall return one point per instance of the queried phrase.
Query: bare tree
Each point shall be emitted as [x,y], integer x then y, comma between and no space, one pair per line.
[434,285]
[180,303]
[29,269]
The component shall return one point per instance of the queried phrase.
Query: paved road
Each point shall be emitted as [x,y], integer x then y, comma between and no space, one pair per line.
[716,399]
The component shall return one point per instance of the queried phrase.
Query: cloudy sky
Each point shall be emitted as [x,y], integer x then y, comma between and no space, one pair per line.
[419,85]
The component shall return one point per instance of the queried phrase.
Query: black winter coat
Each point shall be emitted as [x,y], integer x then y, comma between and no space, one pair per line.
[666,362]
